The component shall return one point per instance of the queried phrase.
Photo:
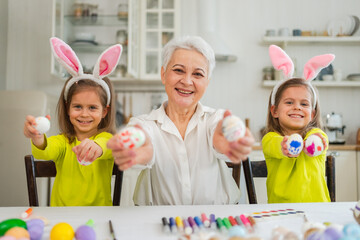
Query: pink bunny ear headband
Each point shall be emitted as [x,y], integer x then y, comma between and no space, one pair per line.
[105,64]
[281,61]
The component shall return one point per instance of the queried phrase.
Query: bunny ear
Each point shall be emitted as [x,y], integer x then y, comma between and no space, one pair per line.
[281,61]
[107,61]
[315,64]
[66,56]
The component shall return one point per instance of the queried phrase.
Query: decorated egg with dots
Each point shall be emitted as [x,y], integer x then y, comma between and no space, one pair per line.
[83,162]
[233,128]
[314,145]
[42,124]
[131,137]
[295,144]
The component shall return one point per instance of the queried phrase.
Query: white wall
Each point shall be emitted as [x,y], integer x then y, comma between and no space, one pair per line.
[3,41]
[242,24]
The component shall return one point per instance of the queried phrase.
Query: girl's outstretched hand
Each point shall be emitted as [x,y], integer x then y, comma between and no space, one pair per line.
[237,150]
[324,142]
[87,150]
[125,158]
[31,132]
[284,148]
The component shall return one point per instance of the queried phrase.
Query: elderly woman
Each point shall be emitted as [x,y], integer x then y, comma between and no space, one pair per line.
[183,158]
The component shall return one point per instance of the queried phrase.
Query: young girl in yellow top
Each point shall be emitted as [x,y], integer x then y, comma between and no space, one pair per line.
[86,121]
[294,108]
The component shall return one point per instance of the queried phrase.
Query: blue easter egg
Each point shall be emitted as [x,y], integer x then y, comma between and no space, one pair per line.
[352,230]
[237,231]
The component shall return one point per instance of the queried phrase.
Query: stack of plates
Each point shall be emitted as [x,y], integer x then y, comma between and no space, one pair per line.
[344,26]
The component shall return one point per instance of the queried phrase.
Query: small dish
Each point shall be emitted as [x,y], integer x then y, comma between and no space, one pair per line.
[328,77]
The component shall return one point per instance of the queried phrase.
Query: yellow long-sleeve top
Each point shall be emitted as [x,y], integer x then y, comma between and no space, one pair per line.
[75,184]
[298,179]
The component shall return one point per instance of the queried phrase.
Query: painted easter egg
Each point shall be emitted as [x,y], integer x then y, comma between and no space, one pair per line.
[62,231]
[83,162]
[18,232]
[85,232]
[352,230]
[314,145]
[131,137]
[10,223]
[332,233]
[238,231]
[42,124]
[233,128]
[35,228]
[295,144]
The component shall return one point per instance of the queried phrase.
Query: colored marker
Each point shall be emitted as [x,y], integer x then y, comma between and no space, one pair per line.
[27,213]
[238,221]
[193,225]
[166,226]
[212,222]
[221,225]
[252,221]
[187,228]
[205,220]
[199,222]
[232,221]
[227,223]
[112,232]
[246,222]
[172,225]
[179,224]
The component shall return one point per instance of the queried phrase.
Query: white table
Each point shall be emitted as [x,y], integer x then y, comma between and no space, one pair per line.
[145,222]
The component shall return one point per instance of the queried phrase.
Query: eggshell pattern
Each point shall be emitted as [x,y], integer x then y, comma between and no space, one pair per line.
[295,144]
[42,124]
[131,137]
[85,232]
[314,145]
[233,128]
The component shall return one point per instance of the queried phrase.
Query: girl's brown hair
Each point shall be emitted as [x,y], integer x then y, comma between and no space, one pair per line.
[273,125]
[107,124]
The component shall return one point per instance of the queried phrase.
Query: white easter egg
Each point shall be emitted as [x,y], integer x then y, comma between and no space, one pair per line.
[295,144]
[314,145]
[84,163]
[42,124]
[131,137]
[233,128]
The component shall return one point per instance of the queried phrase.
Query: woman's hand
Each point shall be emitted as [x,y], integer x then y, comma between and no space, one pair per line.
[87,150]
[31,132]
[126,158]
[324,142]
[236,151]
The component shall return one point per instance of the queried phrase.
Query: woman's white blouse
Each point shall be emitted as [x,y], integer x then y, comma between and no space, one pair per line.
[184,172]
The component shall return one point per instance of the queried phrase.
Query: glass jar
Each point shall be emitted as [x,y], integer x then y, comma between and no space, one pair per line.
[123,10]
[121,37]
[268,73]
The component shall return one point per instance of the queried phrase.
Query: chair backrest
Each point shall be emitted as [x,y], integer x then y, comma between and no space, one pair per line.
[35,169]
[253,169]
[236,168]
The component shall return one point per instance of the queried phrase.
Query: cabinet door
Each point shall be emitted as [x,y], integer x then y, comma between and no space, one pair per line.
[346,175]
[159,24]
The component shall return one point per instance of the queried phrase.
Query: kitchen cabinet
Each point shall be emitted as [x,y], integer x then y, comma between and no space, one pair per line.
[152,24]
[347,178]
[285,42]
[143,31]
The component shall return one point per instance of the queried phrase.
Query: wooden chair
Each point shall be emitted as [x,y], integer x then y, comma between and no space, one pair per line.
[254,169]
[35,169]
[236,169]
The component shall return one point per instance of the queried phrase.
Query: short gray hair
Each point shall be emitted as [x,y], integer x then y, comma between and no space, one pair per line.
[191,43]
